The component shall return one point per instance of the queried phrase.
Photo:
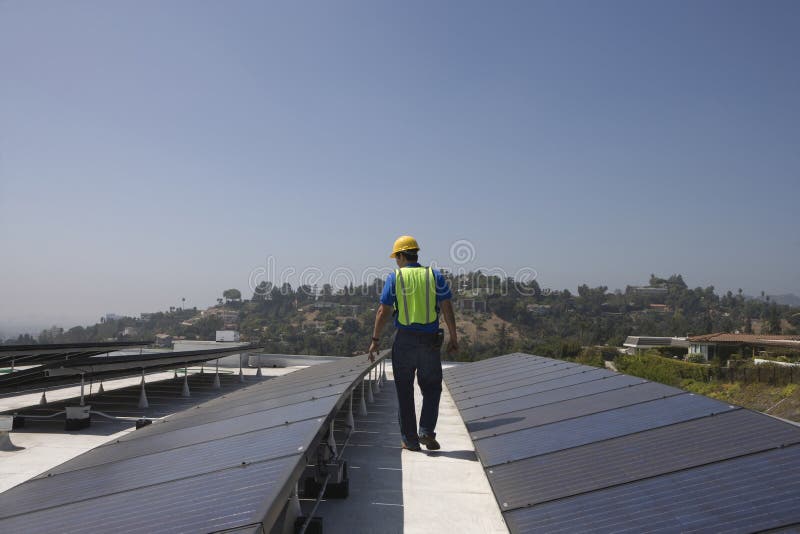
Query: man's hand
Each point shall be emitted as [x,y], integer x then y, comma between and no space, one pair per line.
[383,314]
[452,346]
[450,319]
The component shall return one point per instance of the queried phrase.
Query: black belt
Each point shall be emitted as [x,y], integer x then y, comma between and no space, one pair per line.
[416,333]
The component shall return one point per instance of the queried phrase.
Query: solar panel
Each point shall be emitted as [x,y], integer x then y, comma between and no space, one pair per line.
[587,429]
[227,464]
[748,494]
[160,466]
[66,368]
[525,368]
[637,456]
[568,409]
[205,503]
[510,382]
[57,352]
[461,373]
[598,451]
[516,402]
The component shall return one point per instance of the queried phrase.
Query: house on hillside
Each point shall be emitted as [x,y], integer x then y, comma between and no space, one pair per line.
[723,345]
[538,309]
[649,291]
[638,344]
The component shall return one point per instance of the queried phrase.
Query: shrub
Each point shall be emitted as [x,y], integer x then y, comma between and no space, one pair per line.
[660,369]
[590,356]
[695,357]
[609,353]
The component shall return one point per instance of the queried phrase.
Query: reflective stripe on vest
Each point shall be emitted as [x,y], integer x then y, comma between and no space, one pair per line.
[415,288]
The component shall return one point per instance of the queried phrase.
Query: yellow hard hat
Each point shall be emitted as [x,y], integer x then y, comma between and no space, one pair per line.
[403,243]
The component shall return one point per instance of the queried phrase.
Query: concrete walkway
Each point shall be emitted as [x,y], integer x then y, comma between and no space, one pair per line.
[399,491]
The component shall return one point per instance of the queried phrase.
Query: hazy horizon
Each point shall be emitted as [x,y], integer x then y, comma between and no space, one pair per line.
[153,151]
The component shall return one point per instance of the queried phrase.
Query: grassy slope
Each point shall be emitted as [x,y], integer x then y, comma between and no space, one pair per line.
[782,401]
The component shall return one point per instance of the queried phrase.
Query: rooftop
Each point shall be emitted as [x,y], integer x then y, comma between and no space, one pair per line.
[529,444]
[724,337]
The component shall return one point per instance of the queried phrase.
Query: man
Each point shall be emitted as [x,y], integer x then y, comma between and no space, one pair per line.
[415,295]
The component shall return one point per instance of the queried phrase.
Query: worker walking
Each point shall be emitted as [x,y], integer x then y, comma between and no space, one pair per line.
[415,295]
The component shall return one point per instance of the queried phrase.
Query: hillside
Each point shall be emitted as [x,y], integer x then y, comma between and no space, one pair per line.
[494,316]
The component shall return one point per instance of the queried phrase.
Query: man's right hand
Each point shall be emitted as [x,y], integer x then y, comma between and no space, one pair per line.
[452,346]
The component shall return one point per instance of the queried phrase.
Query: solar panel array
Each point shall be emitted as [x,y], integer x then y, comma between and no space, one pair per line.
[59,352]
[228,464]
[573,448]
[53,365]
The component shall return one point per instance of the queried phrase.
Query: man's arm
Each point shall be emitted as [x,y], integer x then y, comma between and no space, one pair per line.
[450,320]
[381,318]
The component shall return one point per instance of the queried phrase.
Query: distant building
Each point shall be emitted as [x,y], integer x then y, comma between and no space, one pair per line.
[163,340]
[538,309]
[723,345]
[113,317]
[637,344]
[649,291]
[227,336]
[54,331]
[129,331]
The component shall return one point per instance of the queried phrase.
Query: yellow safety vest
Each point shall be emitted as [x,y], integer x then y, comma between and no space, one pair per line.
[415,288]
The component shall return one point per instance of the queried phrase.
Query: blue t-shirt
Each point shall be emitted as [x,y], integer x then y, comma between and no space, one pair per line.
[389,298]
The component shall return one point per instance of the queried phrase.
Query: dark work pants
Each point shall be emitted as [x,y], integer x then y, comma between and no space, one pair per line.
[418,354]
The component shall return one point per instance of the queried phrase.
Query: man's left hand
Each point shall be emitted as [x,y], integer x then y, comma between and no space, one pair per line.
[373,350]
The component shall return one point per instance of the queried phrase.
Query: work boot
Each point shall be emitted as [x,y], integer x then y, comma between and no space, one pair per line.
[410,446]
[429,440]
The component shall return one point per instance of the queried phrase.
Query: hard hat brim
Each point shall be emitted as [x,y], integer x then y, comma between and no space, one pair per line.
[396,252]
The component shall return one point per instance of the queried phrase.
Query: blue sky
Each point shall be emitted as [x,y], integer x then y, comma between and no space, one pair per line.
[155,150]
